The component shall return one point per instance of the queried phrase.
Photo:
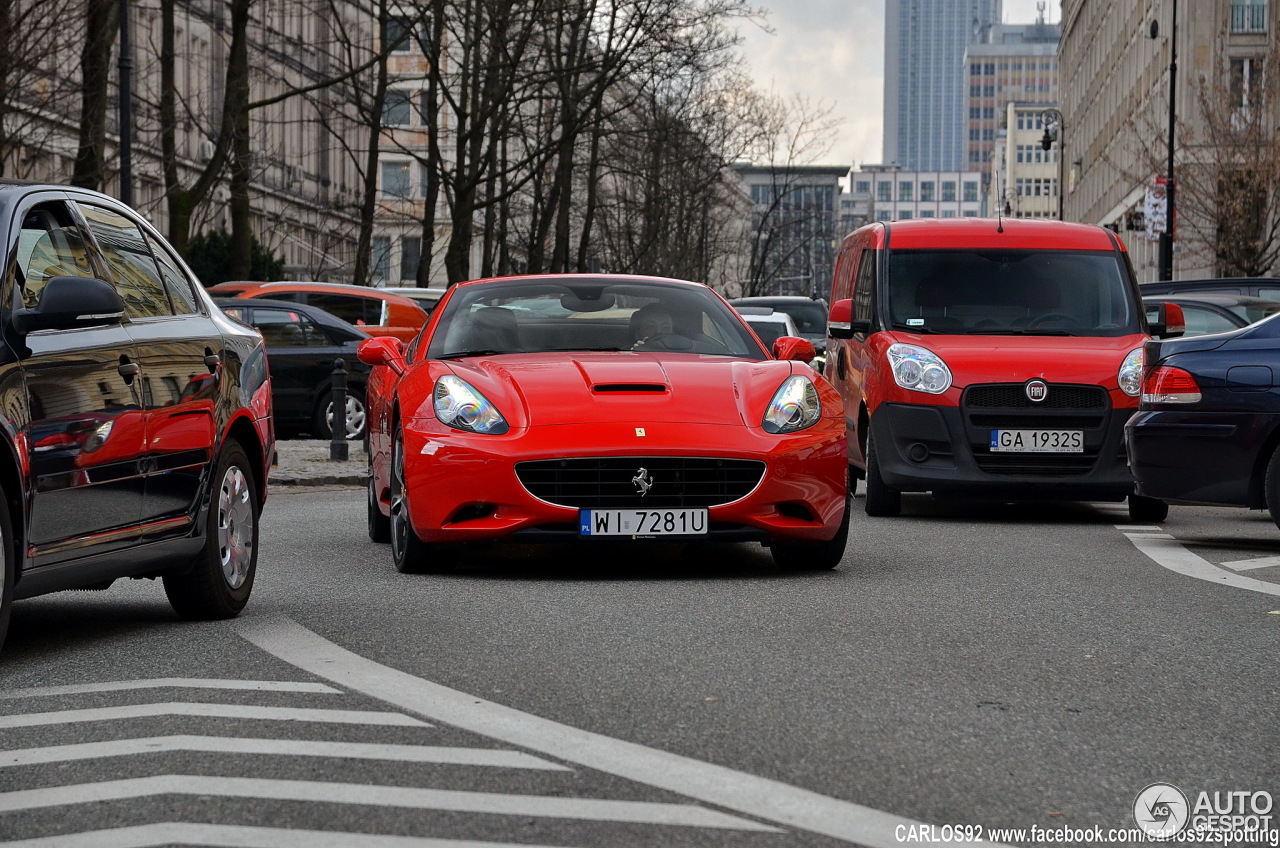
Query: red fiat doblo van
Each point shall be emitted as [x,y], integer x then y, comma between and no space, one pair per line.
[989,359]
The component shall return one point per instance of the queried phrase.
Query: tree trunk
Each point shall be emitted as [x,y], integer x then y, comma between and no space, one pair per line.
[95,73]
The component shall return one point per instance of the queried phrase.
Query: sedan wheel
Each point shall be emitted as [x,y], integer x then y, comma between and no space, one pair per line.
[356,415]
[219,579]
[6,566]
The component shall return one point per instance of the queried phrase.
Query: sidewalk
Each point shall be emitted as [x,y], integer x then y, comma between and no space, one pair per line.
[305,462]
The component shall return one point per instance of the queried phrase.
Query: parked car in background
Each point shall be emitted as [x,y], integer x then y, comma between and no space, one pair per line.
[1208,426]
[427,298]
[989,359]
[375,311]
[809,314]
[1216,313]
[1268,287]
[136,416]
[233,287]
[597,409]
[768,324]
[303,343]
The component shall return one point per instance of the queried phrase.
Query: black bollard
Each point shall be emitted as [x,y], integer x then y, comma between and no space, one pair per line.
[338,421]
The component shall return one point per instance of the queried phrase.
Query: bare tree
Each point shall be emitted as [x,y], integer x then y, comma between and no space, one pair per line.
[35,81]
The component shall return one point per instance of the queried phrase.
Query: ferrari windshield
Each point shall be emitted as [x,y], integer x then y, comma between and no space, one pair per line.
[1036,292]
[585,314]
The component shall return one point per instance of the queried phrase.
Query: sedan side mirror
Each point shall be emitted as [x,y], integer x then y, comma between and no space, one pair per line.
[382,350]
[69,303]
[794,348]
[1165,320]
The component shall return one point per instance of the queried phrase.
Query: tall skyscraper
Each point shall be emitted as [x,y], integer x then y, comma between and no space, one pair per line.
[926,80]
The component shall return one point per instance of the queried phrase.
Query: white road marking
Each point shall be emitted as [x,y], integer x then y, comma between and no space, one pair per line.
[734,790]
[489,757]
[241,711]
[1169,553]
[172,682]
[236,836]
[583,809]
[1250,564]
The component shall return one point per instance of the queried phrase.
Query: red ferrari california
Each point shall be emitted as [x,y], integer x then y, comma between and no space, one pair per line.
[595,409]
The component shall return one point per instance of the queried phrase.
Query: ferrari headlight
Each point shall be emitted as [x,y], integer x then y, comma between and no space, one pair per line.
[919,369]
[1130,376]
[795,406]
[461,406]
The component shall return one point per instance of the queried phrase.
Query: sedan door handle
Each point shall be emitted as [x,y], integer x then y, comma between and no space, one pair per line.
[129,370]
[213,361]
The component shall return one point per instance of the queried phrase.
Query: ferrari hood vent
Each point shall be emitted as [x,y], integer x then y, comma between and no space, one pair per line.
[629,387]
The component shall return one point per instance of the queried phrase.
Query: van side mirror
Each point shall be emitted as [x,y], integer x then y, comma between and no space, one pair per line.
[839,319]
[1165,320]
[69,303]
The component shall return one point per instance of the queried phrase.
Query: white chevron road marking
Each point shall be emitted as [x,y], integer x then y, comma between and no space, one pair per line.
[1169,553]
[283,747]
[240,711]
[586,809]
[732,790]
[234,836]
[172,683]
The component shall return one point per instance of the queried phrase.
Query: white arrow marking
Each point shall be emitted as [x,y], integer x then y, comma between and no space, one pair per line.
[240,711]
[235,836]
[174,683]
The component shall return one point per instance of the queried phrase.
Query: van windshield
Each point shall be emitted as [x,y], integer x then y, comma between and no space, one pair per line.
[1006,292]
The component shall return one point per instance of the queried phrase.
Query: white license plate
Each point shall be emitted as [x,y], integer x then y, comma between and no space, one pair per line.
[642,522]
[1037,441]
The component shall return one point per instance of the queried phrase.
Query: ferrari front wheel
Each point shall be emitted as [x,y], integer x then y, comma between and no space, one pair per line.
[813,556]
[410,554]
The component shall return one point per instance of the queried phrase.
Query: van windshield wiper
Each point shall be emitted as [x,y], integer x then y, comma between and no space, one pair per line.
[911,328]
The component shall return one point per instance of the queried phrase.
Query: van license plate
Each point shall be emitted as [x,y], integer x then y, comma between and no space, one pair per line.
[642,522]
[1037,441]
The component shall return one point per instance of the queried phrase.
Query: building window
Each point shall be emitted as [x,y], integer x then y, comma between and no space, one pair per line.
[904,215]
[884,191]
[970,191]
[395,109]
[410,257]
[926,190]
[1248,15]
[395,179]
[400,33]
[971,213]
[381,248]
[1246,78]
[862,187]
[948,213]
[948,191]
[926,213]
[906,191]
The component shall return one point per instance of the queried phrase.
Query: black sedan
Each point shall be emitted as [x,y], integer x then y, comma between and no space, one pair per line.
[1207,426]
[303,343]
[1217,312]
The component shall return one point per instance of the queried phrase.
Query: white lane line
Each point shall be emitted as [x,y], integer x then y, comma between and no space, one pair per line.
[317,792]
[242,711]
[238,836]
[486,757]
[734,790]
[172,682]
[1169,553]
[1250,564]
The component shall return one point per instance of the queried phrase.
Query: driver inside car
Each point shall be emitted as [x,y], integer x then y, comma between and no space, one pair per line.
[650,321]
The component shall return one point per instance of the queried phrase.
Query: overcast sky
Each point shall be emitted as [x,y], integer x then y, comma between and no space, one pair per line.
[832,51]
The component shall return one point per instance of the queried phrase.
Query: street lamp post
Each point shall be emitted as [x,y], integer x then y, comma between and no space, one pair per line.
[1053,118]
[1166,237]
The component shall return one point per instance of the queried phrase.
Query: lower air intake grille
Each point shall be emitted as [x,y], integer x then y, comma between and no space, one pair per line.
[617,482]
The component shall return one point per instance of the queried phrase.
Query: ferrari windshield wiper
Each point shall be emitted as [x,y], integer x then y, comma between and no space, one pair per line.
[463,354]
[582,348]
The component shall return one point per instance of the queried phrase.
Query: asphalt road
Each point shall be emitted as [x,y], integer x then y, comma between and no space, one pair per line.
[979,665]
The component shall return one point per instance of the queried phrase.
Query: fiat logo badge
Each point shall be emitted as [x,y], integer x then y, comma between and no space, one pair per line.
[1037,391]
[643,482]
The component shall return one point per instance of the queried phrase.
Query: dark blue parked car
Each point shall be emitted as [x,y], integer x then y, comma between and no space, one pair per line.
[1208,426]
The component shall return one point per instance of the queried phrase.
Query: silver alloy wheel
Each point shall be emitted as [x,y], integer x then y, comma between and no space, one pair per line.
[235,527]
[355,417]
[399,502]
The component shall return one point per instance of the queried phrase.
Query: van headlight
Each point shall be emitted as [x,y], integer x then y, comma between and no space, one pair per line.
[795,406]
[1130,375]
[918,369]
[462,407]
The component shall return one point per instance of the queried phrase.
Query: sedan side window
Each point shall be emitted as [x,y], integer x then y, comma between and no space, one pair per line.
[179,287]
[49,245]
[361,311]
[133,268]
[281,328]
